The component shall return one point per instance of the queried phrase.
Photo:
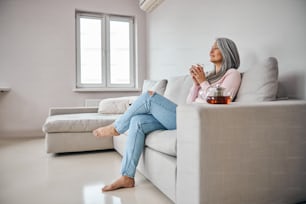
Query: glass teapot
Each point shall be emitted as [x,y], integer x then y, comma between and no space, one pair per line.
[219,95]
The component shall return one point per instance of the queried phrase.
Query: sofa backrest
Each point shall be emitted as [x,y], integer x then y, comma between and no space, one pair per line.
[154,85]
[178,89]
[260,82]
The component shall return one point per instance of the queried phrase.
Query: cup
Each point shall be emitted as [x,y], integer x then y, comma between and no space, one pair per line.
[207,68]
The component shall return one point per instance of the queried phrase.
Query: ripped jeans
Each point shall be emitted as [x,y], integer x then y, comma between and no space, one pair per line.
[146,114]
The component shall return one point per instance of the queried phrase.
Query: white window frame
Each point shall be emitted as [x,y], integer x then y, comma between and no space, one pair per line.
[105,41]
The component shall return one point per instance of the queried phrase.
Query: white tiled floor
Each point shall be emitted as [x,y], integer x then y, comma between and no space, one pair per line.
[29,175]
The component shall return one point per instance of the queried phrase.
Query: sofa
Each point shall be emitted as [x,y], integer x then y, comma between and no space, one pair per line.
[250,151]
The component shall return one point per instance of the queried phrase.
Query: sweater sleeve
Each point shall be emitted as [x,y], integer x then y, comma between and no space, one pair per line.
[204,87]
[197,91]
[231,81]
[193,93]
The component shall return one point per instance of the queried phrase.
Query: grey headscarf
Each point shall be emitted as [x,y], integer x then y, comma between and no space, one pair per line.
[230,57]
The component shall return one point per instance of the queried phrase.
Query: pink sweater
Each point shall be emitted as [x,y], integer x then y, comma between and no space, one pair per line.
[231,79]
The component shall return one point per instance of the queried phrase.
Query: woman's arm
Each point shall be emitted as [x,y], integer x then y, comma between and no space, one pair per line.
[231,81]
[193,93]
[199,82]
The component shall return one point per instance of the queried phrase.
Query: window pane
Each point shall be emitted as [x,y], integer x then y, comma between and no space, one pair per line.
[90,51]
[119,52]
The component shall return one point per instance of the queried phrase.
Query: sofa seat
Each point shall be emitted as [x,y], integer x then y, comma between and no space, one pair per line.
[163,141]
[81,122]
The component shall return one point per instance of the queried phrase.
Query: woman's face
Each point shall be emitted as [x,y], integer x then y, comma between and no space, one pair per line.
[215,54]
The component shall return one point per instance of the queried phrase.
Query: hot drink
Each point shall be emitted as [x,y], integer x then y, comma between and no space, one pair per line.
[218,99]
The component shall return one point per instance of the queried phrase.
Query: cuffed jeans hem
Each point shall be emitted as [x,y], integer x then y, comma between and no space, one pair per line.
[128,175]
[117,128]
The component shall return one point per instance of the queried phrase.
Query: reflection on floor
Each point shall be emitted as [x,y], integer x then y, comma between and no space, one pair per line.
[29,175]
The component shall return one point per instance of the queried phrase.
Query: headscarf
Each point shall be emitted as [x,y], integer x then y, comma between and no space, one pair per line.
[230,58]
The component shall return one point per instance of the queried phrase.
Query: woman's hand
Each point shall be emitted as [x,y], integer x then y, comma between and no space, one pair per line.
[192,74]
[197,74]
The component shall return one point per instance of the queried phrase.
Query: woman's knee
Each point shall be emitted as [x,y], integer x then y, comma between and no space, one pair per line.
[141,121]
[136,121]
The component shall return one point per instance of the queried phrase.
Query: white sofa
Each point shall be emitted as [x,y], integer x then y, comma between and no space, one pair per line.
[245,152]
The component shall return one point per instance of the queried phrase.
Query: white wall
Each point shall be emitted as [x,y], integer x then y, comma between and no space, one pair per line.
[37,47]
[181,33]
[37,58]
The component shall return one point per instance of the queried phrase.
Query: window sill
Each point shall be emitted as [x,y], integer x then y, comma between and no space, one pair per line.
[106,89]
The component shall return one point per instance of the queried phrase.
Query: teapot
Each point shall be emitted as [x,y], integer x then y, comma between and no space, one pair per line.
[216,95]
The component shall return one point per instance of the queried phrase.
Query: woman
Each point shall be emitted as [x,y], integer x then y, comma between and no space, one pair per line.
[152,111]
[225,56]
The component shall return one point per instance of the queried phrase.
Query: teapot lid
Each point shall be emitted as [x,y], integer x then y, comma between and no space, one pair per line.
[219,90]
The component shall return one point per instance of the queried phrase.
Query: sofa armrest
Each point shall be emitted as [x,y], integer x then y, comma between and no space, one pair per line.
[71,110]
[241,153]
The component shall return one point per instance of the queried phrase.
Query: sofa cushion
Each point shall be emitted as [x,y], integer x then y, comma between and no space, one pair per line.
[119,105]
[162,141]
[157,86]
[260,82]
[178,89]
[82,122]
[115,105]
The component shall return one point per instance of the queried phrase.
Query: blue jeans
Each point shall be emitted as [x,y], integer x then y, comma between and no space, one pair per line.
[146,114]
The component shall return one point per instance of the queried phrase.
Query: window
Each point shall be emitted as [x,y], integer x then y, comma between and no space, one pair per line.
[105,51]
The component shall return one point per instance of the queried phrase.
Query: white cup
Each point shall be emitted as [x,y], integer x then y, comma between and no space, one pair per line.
[208,67]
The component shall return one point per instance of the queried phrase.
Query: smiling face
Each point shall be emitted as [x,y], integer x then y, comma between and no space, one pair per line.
[215,54]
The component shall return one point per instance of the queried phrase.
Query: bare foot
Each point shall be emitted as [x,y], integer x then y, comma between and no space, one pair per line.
[106,131]
[122,182]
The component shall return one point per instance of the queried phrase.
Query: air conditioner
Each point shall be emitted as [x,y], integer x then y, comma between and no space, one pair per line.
[149,5]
